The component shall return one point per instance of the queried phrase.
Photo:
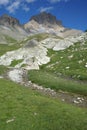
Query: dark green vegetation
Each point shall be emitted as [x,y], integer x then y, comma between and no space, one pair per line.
[25,109]
[54,82]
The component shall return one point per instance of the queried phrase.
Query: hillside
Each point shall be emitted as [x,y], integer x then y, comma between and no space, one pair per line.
[43,75]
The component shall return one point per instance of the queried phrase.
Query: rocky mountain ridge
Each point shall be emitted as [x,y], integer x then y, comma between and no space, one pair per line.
[48,23]
[46,18]
[34,53]
[7,20]
[10,28]
[40,23]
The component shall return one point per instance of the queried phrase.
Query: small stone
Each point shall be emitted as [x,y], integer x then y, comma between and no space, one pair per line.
[67,67]
[76,102]
[35,113]
[1,77]
[63,100]
[86,65]
[11,120]
[80,101]
[78,98]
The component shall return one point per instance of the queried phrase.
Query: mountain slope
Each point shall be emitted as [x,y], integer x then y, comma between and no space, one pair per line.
[47,52]
[46,22]
[11,27]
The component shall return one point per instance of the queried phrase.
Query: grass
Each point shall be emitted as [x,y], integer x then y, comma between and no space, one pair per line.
[33,111]
[16,45]
[15,62]
[69,62]
[7,47]
[3,69]
[10,39]
[63,66]
[54,82]
[24,109]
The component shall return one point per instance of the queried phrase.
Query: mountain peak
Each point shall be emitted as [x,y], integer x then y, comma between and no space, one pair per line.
[45,18]
[7,20]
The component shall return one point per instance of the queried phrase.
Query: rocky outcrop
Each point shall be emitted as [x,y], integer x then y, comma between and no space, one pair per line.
[46,18]
[44,23]
[32,57]
[47,23]
[7,20]
[11,27]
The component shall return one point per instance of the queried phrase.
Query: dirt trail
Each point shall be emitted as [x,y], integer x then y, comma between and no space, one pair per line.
[20,76]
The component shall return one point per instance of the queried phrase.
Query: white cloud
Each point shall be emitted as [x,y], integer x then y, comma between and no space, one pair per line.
[13,7]
[30,1]
[55,1]
[4,2]
[25,8]
[42,9]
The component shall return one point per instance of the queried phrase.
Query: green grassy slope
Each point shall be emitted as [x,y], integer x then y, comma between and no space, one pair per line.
[57,83]
[3,69]
[12,44]
[24,109]
[69,64]
[7,47]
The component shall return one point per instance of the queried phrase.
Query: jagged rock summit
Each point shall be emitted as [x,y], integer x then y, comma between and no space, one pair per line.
[44,22]
[40,23]
[7,20]
[48,23]
[11,28]
[46,18]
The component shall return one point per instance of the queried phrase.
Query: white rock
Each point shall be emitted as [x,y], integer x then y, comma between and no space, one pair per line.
[11,120]
[16,75]
[86,65]
[76,102]
[32,57]
[1,77]
[67,67]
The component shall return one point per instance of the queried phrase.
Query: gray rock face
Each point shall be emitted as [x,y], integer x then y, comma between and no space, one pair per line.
[12,28]
[47,23]
[7,20]
[32,43]
[44,18]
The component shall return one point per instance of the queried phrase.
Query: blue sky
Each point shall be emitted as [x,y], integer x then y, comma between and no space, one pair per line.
[73,13]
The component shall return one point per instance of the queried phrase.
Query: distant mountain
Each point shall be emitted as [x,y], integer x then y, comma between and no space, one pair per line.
[7,20]
[11,27]
[46,18]
[40,23]
[46,22]
[28,51]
